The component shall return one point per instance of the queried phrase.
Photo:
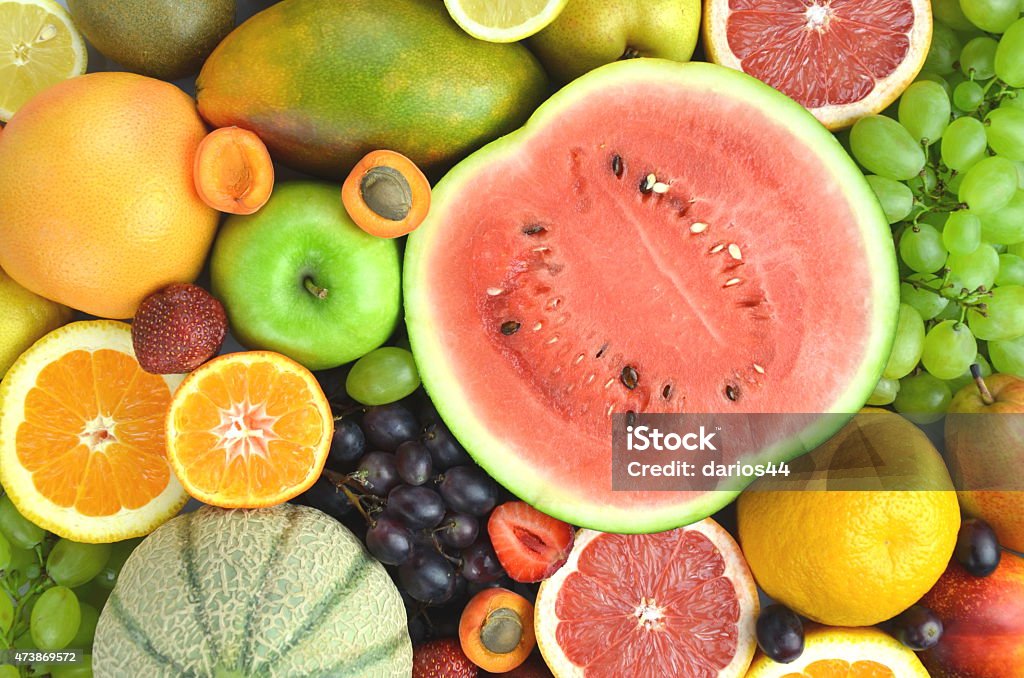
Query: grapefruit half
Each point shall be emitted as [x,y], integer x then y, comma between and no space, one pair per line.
[676,603]
[842,59]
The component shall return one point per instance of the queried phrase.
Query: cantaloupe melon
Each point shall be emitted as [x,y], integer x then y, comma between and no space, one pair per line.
[286,591]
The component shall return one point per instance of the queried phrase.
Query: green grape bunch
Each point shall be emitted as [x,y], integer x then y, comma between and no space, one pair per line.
[946,163]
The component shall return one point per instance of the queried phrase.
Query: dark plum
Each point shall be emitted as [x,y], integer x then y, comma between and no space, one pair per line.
[480,564]
[458,530]
[389,541]
[347,446]
[388,426]
[381,473]
[444,448]
[414,463]
[780,634]
[977,547]
[467,489]
[325,496]
[427,576]
[918,628]
[417,507]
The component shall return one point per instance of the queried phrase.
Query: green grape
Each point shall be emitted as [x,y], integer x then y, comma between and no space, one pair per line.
[1006,132]
[5,552]
[1010,55]
[962,233]
[968,95]
[949,13]
[989,185]
[966,378]
[944,50]
[1017,248]
[978,58]
[118,555]
[921,249]
[885,392]
[1004,317]
[383,376]
[86,627]
[93,594]
[999,248]
[1007,356]
[55,618]
[936,219]
[936,78]
[72,564]
[922,398]
[1011,270]
[964,143]
[924,111]
[1005,226]
[9,671]
[924,182]
[1020,173]
[6,613]
[21,559]
[927,304]
[18,529]
[895,198]
[885,147]
[908,344]
[994,16]
[1012,99]
[973,270]
[81,670]
[949,349]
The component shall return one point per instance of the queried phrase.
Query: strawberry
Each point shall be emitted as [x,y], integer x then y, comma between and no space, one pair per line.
[178,329]
[442,658]
[530,545]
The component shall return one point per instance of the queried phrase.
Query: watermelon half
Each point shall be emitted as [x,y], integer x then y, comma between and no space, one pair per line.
[755,273]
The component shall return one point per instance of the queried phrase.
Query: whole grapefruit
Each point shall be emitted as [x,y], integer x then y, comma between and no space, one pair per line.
[97,199]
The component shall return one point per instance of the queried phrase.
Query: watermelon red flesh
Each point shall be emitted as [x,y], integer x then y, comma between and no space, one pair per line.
[537,230]
[836,51]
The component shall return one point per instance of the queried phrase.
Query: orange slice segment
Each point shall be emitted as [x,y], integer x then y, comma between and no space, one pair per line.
[82,448]
[248,430]
[832,652]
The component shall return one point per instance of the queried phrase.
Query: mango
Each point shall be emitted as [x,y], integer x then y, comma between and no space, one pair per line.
[324,83]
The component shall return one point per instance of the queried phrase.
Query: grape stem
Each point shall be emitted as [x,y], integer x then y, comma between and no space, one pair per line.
[986,395]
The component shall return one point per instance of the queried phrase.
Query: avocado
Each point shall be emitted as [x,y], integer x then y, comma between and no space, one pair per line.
[166,39]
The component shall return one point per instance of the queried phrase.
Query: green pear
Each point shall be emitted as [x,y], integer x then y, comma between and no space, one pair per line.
[591,33]
[24,318]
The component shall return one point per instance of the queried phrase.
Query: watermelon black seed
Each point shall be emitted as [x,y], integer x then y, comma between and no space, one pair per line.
[647,184]
[630,418]
[666,392]
[629,377]
[534,229]
[600,351]
[732,392]
[510,327]
[617,165]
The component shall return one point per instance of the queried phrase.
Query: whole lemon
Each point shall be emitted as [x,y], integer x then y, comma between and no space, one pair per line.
[24,318]
[97,193]
[860,555]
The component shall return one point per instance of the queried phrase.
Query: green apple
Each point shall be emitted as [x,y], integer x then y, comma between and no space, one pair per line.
[591,33]
[298,277]
[24,318]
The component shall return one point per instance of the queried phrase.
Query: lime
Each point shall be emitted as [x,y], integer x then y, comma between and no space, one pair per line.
[39,47]
[504,20]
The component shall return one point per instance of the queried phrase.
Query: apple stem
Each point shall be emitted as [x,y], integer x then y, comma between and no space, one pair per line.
[986,395]
[314,289]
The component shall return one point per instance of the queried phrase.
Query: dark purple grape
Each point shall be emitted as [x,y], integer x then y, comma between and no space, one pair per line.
[444,448]
[325,496]
[381,474]
[427,576]
[458,530]
[417,507]
[480,564]
[505,582]
[918,628]
[388,426]
[780,634]
[389,541]
[347,445]
[414,463]
[977,547]
[467,489]
[418,630]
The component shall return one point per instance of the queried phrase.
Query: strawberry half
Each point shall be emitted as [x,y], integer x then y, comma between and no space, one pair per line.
[442,658]
[530,545]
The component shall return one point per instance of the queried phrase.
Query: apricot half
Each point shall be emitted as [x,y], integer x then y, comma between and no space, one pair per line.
[233,171]
[386,194]
[496,630]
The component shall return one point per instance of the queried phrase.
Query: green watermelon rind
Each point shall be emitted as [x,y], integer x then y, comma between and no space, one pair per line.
[452,402]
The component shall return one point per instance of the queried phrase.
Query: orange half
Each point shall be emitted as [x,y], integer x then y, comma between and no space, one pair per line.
[833,652]
[82,450]
[248,430]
